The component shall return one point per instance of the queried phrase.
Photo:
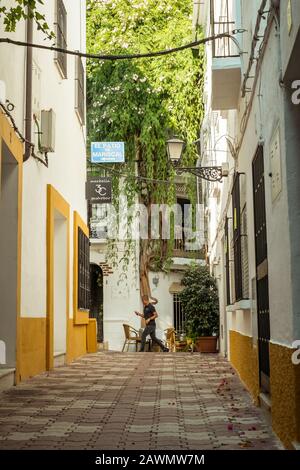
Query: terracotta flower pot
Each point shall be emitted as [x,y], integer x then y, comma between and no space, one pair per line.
[207,344]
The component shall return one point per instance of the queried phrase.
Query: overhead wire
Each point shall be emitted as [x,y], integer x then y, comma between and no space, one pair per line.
[126,56]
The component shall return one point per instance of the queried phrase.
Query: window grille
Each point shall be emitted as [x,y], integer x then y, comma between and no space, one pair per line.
[79,90]
[61,36]
[244,250]
[179,317]
[83,271]
[237,235]
[227,262]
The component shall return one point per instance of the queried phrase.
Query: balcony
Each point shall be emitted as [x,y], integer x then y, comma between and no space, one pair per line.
[181,251]
[184,257]
[98,223]
[226,61]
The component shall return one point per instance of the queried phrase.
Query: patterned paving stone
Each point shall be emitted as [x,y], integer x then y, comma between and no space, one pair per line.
[134,401]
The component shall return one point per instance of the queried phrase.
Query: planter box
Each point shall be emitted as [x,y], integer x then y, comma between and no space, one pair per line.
[207,344]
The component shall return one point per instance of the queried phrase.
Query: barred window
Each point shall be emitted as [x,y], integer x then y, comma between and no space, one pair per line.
[237,248]
[61,37]
[227,261]
[80,90]
[244,249]
[179,317]
[239,283]
[83,271]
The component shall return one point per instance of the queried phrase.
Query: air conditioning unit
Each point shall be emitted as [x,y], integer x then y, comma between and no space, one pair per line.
[48,130]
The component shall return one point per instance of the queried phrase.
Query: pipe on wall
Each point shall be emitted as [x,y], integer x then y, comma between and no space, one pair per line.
[28,95]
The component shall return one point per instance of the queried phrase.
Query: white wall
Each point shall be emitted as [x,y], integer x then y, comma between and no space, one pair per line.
[165,298]
[122,298]
[266,115]
[67,165]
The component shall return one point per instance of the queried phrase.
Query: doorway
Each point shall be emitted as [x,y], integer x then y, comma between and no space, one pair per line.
[262,283]
[60,285]
[58,278]
[9,256]
[96,305]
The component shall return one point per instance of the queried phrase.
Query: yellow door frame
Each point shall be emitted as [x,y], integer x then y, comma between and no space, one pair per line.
[55,202]
[15,146]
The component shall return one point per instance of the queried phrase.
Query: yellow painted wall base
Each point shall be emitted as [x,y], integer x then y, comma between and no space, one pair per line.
[77,340]
[92,336]
[33,347]
[244,358]
[285,392]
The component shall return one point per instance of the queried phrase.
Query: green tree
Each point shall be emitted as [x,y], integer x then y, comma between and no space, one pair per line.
[200,302]
[143,101]
[22,10]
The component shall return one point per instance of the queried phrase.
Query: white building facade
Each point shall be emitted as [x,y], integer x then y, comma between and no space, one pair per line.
[252,122]
[117,295]
[44,292]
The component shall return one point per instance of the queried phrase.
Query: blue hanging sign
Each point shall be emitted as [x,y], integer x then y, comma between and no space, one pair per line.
[107,152]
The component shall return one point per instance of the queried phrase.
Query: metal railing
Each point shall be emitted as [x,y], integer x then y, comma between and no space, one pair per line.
[220,24]
[179,316]
[98,221]
[181,250]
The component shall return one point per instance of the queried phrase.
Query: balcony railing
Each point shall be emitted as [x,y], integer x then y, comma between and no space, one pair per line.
[98,232]
[181,250]
[98,221]
[222,21]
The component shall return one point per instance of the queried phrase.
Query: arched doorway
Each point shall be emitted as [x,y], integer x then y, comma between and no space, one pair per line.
[96,306]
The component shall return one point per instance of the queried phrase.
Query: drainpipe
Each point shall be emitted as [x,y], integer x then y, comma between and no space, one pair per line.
[28,84]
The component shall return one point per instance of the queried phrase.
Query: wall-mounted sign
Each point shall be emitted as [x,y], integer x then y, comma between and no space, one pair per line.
[107,152]
[99,189]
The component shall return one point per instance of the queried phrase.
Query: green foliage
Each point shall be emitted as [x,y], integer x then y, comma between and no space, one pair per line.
[200,302]
[23,10]
[144,101]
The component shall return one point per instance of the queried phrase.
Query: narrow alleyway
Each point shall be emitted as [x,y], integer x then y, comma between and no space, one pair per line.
[129,401]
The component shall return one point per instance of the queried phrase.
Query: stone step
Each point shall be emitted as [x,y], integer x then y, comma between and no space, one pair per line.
[59,359]
[296,445]
[7,378]
[266,406]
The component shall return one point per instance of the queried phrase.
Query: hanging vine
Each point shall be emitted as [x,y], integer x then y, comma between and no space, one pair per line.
[142,102]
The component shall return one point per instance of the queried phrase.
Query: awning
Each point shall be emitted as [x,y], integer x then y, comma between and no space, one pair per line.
[176,288]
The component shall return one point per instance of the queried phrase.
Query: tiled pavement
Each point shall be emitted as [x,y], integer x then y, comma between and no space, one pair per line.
[147,401]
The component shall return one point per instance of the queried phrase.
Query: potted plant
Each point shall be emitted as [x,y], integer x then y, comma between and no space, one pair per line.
[200,303]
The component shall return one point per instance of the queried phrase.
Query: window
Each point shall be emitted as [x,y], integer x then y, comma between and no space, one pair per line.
[79,90]
[61,37]
[83,271]
[227,261]
[240,283]
[237,248]
[244,253]
[179,317]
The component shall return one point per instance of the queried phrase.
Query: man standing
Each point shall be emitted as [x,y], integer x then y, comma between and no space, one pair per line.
[150,315]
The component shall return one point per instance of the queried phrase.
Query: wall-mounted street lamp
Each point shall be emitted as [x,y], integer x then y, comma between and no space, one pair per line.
[175,149]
